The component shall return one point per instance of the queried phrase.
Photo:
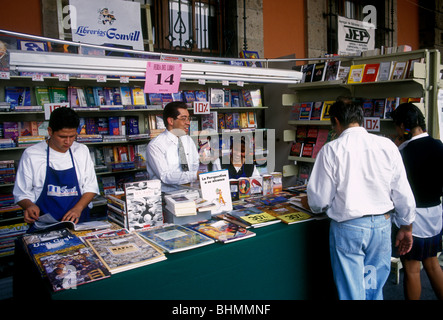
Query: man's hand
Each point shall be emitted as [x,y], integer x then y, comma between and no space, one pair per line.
[72,215]
[31,210]
[403,241]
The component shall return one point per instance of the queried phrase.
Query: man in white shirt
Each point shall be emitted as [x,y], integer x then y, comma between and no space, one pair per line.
[163,158]
[56,176]
[359,181]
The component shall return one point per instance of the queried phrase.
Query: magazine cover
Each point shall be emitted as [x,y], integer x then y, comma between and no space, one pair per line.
[216,189]
[143,204]
[222,230]
[69,269]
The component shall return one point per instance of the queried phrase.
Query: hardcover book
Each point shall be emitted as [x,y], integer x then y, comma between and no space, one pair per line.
[175,238]
[125,252]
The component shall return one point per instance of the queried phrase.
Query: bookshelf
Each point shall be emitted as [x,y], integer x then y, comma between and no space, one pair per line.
[420,86]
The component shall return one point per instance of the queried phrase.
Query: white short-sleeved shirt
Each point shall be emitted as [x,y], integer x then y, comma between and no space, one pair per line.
[31,172]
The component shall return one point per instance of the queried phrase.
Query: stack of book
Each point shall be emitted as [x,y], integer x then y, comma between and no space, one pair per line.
[7,171]
[180,205]
[8,235]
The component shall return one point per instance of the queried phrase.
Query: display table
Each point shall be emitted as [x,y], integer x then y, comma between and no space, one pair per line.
[281,262]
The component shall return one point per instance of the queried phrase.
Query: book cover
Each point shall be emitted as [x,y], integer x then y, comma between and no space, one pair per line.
[384,72]
[222,230]
[209,122]
[58,94]
[244,188]
[368,108]
[18,96]
[305,110]
[245,54]
[256,185]
[356,73]
[371,72]
[42,95]
[125,95]
[143,204]
[296,149]
[379,108]
[217,98]
[398,71]
[67,270]
[216,189]
[325,111]
[254,217]
[317,108]
[343,73]
[319,72]
[175,238]
[331,72]
[138,96]
[308,71]
[125,252]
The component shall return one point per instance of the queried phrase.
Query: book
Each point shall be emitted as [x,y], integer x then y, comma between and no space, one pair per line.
[245,54]
[222,231]
[356,73]
[180,205]
[51,243]
[47,221]
[18,96]
[42,95]
[368,108]
[217,98]
[254,217]
[305,110]
[331,71]
[143,204]
[216,189]
[124,252]
[319,72]
[325,111]
[343,73]
[67,270]
[316,112]
[175,238]
[288,214]
[308,71]
[379,108]
[384,72]
[371,72]
[244,187]
[398,70]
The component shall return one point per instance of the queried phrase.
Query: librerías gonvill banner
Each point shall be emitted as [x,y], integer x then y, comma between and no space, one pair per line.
[107,22]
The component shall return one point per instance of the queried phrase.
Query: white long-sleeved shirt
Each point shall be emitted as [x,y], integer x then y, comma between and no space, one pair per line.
[163,161]
[360,174]
[31,171]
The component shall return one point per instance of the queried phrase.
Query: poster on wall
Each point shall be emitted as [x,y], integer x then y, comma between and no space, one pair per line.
[354,36]
[107,22]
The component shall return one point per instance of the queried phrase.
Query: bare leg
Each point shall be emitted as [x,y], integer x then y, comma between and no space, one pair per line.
[411,282]
[435,275]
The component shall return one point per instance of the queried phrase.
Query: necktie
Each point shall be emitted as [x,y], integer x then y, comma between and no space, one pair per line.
[182,155]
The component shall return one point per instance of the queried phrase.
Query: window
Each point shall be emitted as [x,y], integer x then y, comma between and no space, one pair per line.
[188,25]
[353,9]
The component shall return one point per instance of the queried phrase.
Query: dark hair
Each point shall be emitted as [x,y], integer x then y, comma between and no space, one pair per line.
[171,110]
[346,113]
[62,118]
[410,116]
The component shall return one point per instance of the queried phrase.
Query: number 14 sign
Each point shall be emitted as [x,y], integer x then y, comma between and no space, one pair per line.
[162,77]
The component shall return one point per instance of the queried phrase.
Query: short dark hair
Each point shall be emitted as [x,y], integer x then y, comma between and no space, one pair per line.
[346,113]
[410,116]
[171,110]
[62,118]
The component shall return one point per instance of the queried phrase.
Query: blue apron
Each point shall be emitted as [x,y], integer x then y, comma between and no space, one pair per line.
[60,192]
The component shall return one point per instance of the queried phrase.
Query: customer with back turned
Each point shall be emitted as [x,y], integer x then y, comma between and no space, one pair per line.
[360,182]
[423,159]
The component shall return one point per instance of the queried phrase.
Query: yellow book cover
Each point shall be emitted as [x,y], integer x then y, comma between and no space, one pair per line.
[356,73]
[325,111]
[294,217]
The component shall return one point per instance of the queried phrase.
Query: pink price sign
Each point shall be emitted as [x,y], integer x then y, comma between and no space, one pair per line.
[162,77]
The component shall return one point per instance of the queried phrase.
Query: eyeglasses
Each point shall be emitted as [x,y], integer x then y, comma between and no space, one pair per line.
[184,118]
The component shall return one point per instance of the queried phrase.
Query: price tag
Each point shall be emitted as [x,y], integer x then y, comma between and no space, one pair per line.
[201,107]
[101,78]
[5,75]
[124,79]
[162,77]
[37,77]
[372,124]
[63,77]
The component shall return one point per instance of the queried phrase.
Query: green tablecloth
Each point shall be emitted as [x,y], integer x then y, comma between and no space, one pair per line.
[281,262]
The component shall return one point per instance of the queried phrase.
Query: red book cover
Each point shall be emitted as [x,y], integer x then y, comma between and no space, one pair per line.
[371,72]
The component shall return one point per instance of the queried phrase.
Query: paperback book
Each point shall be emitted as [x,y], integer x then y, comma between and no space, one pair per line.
[215,188]
[222,230]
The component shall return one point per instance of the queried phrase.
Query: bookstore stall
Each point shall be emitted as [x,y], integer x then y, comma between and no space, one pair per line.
[215,239]
[219,238]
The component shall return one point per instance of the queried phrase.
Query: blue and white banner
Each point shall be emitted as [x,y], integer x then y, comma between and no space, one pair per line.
[107,22]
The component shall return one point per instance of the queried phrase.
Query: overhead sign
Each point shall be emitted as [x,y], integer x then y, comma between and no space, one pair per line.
[107,22]
[354,36]
[162,77]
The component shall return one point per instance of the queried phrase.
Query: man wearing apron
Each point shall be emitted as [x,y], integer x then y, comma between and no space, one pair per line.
[57,176]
